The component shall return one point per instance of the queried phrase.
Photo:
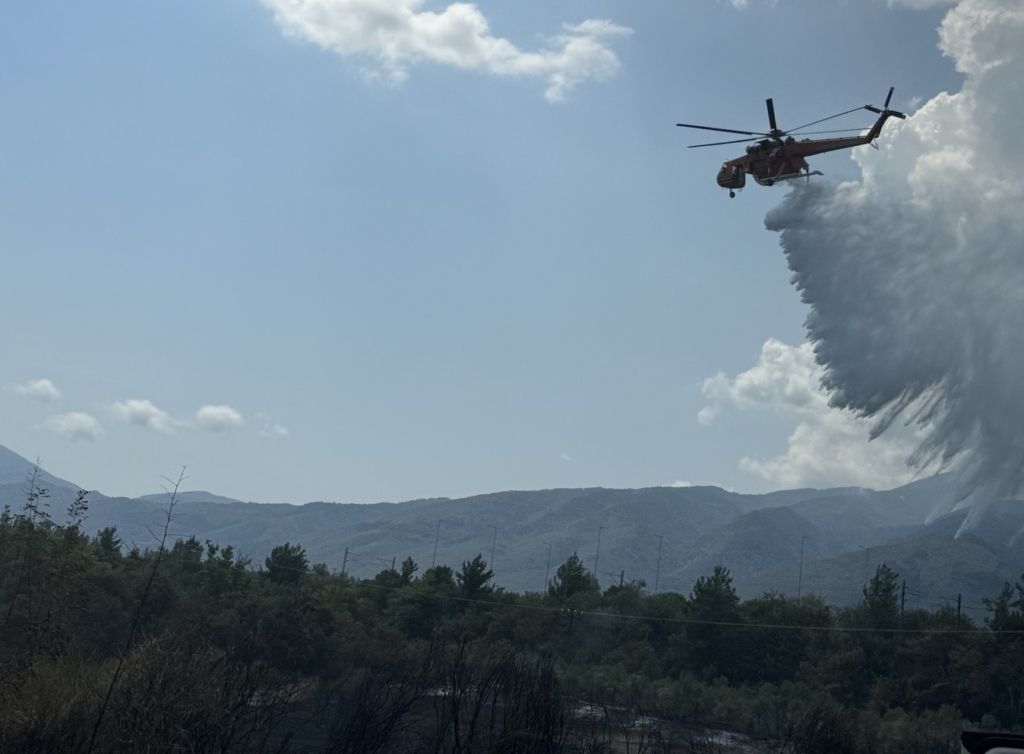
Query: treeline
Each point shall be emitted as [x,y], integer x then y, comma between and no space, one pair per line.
[185,646]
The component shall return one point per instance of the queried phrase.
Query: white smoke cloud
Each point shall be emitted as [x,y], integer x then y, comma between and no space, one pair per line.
[143,413]
[830,446]
[41,390]
[74,426]
[399,33]
[915,273]
[218,418]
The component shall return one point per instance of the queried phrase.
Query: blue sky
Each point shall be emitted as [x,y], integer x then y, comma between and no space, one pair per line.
[381,291]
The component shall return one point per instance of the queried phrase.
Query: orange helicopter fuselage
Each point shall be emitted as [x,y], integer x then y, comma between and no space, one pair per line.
[772,160]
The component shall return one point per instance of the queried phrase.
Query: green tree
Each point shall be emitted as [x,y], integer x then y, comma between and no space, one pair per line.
[881,605]
[409,568]
[474,578]
[714,598]
[286,564]
[710,647]
[1007,613]
[571,578]
[109,545]
[439,577]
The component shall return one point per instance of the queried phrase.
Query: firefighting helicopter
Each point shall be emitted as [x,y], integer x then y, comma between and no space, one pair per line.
[777,156]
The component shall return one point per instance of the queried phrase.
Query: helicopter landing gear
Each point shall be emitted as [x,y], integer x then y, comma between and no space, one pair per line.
[732,194]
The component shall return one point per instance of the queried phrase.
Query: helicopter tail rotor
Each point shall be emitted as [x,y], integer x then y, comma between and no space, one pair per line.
[885,108]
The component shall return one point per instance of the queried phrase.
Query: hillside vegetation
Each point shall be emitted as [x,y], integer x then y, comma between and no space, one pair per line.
[186,647]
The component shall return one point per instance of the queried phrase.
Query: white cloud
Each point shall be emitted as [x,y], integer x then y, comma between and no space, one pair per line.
[830,446]
[218,418]
[74,426]
[744,4]
[270,428]
[680,483]
[920,4]
[399,33]
[143,413]
[915,4]
[565,457]
[914,274]
[42,390]
[274,430]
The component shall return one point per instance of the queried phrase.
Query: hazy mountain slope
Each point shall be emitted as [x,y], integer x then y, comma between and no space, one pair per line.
[198,496]
[252,528]
[752,544]
[936,564]
[757,536]
[527,521]
[15,470]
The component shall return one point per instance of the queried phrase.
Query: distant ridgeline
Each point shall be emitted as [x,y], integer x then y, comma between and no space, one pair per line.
[176,644]
[839,535]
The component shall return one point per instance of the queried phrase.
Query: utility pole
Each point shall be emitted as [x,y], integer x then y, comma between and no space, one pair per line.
[493,545]
[903,601]
[657,573]
[800,578]
[547,571]
[344,562]
[867,554]
[719,558]
[599,529]
[572,613]
[437,536]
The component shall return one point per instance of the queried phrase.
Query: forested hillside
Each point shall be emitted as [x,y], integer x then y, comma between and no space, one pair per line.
[184,646]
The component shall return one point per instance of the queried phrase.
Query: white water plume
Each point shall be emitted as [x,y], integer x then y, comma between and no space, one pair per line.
[915,274]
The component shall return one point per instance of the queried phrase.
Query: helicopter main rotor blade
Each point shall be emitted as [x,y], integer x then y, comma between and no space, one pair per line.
[723,130]
[718,143]
[834,131]
[822,120]
[889,97]
[771,114]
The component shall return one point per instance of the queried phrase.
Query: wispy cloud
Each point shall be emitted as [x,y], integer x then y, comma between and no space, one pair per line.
[274,430]
[218,418]
[920,4]
[397,34]
[73,426]
[41,390]
[143,413]
[270,428]
[743,4]
[916,4]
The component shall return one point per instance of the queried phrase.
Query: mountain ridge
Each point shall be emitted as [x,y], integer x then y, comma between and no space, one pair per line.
[666,536]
